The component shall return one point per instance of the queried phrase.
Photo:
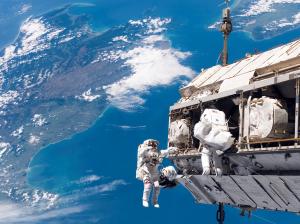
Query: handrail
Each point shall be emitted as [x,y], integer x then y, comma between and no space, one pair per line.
[270,141]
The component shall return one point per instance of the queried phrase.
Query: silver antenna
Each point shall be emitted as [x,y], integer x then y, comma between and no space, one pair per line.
[227,3]
[226,28]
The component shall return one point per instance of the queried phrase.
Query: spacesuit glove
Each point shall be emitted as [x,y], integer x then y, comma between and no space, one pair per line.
[172,149]
[166,152]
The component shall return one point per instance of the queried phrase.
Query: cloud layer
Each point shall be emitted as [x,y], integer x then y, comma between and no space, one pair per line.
[38,211]
[13,213]
[264,6]
[153,63]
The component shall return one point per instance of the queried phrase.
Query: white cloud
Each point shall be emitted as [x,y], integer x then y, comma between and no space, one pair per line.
[42,198]
[43,205]
[294,21]
[88,179]
[99,189]
[264,6]
[30,81]
[273,25]
[4,148]
[18,132]
[35,36]
[296,18]
[88,96]
[128,127]
[8,98]
[34,139]
[38,120]
[120,38]
[156,25]
[136,22]
[151,67]
[33,30]
[24,8]
[67,39]
[153,38]
[13,213]
[112,186]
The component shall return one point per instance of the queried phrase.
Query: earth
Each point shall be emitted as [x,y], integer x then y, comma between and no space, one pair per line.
[83,83]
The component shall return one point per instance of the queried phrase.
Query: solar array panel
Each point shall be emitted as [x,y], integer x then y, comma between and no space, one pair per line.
[240,73]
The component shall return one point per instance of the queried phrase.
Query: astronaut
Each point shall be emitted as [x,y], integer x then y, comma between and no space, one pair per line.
[148,162]
[214,136]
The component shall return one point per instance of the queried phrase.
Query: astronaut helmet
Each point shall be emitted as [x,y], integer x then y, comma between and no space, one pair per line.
[169,172]
[151,142]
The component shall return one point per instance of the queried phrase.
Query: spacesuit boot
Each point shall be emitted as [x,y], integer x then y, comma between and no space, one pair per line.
[147,191]
[146,204]
[205,160]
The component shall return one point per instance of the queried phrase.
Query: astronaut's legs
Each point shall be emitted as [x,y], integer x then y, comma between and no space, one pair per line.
[147,191]
[217,160]
[205,160]
[206,157]
[155,194]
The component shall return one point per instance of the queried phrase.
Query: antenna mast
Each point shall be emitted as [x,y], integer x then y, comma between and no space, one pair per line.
[226,29]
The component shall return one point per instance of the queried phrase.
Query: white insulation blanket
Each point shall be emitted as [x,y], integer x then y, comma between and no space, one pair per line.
[267,118]
[179,132]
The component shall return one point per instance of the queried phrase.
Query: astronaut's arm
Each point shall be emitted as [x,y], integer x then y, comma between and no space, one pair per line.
[167,152]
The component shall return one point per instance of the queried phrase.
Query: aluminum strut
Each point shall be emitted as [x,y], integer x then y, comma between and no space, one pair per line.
[221,214]
[297,110]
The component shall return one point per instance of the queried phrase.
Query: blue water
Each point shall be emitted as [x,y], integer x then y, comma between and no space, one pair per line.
[109,151]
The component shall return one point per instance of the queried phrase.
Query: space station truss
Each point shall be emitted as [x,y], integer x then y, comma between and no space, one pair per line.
[279,193]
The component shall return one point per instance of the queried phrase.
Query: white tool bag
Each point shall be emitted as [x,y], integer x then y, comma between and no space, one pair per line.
[212,130]
[267,118]
[179,132]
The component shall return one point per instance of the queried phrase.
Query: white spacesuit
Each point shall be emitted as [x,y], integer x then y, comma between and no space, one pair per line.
[214,136]
[208,154]
[148,161]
